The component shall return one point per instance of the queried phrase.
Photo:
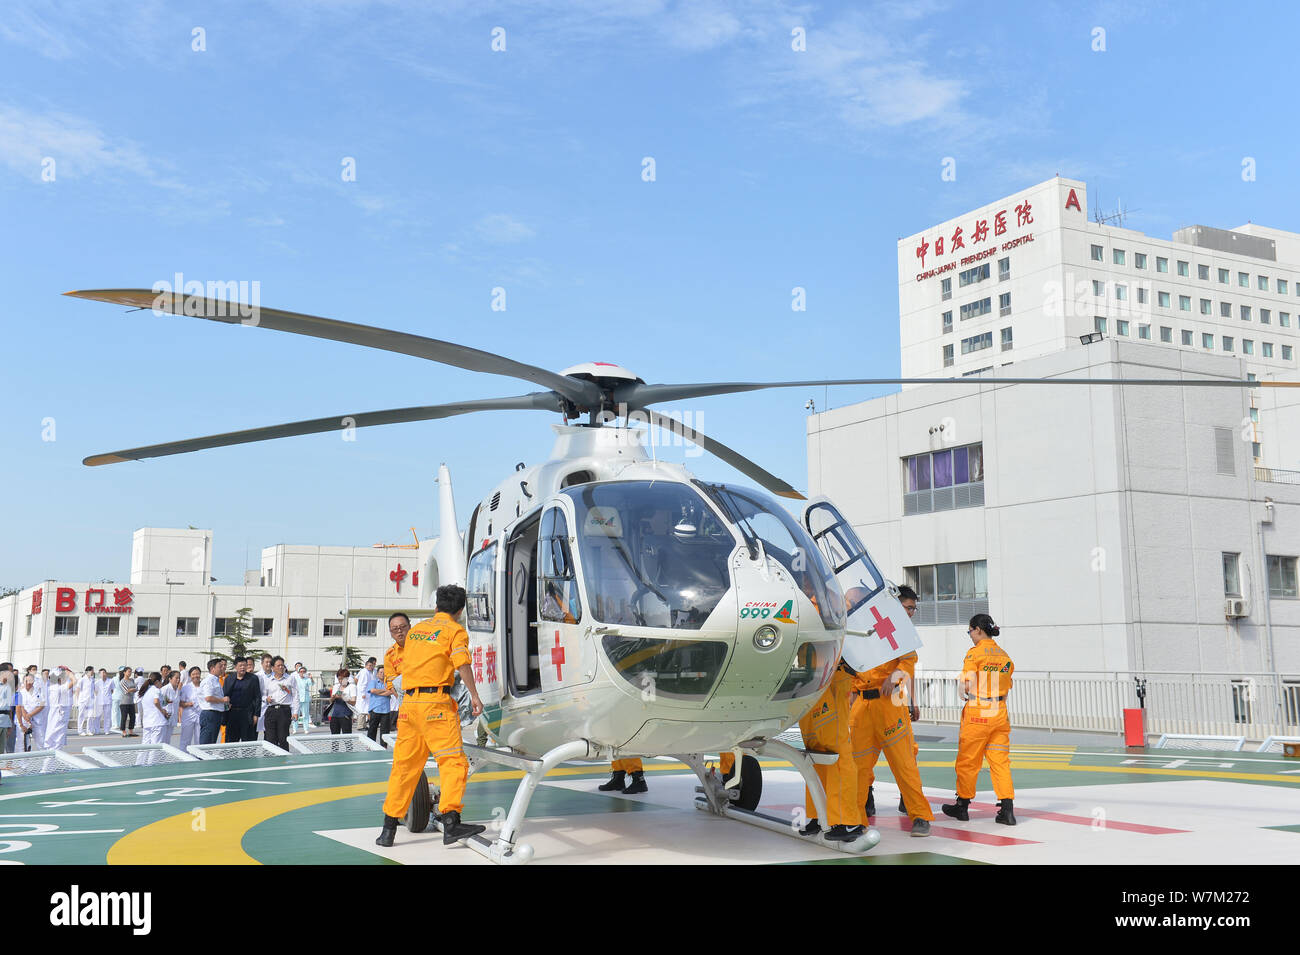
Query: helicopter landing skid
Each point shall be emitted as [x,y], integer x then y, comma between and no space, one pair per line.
[505,850]
[715,798]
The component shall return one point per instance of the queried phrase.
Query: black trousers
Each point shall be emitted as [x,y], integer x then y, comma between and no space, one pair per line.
[381,723]
[241,726]
[128,717]
[340,725]
[277,725]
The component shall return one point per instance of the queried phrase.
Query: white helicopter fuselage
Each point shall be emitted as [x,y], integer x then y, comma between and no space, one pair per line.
[613,599]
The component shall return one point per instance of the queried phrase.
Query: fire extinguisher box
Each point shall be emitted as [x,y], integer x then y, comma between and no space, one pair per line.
[1135,734]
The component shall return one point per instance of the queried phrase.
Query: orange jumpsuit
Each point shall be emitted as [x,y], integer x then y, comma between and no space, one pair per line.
[825,729]
[626,765]
[885,725]
[428,722]
[985,729]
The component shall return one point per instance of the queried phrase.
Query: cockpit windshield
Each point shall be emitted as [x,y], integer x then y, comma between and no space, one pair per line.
[653,553]
[758,516]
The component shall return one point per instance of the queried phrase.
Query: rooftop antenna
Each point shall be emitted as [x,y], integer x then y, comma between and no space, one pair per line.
[1114,218]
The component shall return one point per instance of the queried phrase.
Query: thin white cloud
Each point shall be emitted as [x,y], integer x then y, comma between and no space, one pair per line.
[501,229]
[77,146]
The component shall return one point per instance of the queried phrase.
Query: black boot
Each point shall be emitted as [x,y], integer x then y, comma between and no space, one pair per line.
[811,829]
[1005,815]
[453,830]
[637,785]
[901,807]
[614,784]
[390,829]
[871,800]
[843,833]
[958,810]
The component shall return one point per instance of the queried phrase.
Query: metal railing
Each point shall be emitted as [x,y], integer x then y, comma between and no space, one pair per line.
[943,498]
[1277,476]
[1254,705]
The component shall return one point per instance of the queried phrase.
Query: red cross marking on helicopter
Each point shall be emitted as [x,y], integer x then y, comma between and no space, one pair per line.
[884,628]
[557,657]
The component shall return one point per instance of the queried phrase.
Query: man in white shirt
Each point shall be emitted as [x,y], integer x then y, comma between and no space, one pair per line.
[104,702]
[86,703]
[212,702]
[263,678]
[170,693]
[280,691]
[60,696]
[31,714]
[365,680]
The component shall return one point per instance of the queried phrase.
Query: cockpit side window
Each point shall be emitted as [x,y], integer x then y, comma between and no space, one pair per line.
[557,579]
[654,554]
[849,560]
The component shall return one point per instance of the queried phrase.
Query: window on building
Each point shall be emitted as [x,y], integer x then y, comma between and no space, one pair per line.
[1142,295]
[1231,575]
[1121,293]
[976,371]
[1162,299]
[220,626]
[949,593]
[1166,334]
[187,626]
[1144,331]
[147,626]
[1267,349]
[1284,318]
[1228,342]
[1254,415]
[1225,310]
[367,627]
[1261,282]
[1207,340]
[1265,316]
[1099,324]
[1282,286]
[1286,352]
[1184,303]
[1203,272]
[1004,269]
[1121,327]
[976,343]
[1184,269]
[1004,304]
[66,626]
[108,626]
[1098,288]
[29,625]
[332,629]
[1186,337]
[945,287]
[1162,264]
[1006,339]
[1245,313]
[262,626]
[947,356]
[1098,253]
[1139,260]
[969,277]
[976,309]
[1247,346]
[298,626]
[1254,450]
[947,321]
[1223,276]
[1206,306]
[1281,576]
[270,577]
[940,469]
[1117,256]
[1243,279]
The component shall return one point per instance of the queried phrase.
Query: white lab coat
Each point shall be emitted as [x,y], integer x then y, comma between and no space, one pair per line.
[56,725]
[86,711]
[189,715]
[171,700]
[29,700]
[365,680]
[104,703]
[153,724]
[262,679]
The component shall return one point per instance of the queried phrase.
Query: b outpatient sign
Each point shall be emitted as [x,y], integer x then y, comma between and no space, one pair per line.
[96,601]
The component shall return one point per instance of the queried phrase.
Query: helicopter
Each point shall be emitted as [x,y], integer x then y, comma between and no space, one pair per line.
[618,606]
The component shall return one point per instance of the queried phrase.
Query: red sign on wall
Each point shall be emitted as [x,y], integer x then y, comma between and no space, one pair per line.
[37,596]
[65,600]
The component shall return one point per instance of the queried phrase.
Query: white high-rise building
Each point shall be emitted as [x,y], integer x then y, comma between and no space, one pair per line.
[1031,274]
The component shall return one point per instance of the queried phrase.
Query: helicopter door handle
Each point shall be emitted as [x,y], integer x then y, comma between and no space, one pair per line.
[607,631]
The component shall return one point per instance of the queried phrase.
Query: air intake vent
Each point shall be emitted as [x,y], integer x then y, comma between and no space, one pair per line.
[1223,451]
[496,501]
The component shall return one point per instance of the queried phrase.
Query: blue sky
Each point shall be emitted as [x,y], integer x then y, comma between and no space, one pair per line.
[522,169]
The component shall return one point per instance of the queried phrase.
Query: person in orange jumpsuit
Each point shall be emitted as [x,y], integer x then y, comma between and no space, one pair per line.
[433,652]
[621,768]
[881,721]
[825,729]
[985,728]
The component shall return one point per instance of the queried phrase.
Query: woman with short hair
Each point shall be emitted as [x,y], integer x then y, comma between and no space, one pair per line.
[127,707]
[189,704]
[985,727]
[153,710]
[339,710]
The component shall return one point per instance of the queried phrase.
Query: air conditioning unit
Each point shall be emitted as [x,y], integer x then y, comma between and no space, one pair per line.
[1235,607]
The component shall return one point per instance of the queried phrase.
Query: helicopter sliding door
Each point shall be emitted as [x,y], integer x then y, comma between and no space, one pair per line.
[521,610]
[879,629]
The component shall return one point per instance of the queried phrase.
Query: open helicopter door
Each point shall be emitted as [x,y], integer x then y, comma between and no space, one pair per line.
[878,629]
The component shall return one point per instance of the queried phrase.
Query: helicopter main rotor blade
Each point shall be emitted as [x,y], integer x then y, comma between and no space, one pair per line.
[448,353]
[638,396]
[758,475]
[538,400]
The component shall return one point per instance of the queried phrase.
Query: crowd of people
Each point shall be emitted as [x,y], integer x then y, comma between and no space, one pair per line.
[231,703]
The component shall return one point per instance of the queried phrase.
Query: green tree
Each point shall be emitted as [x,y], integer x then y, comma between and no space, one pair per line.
[238,634]
[349,656]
